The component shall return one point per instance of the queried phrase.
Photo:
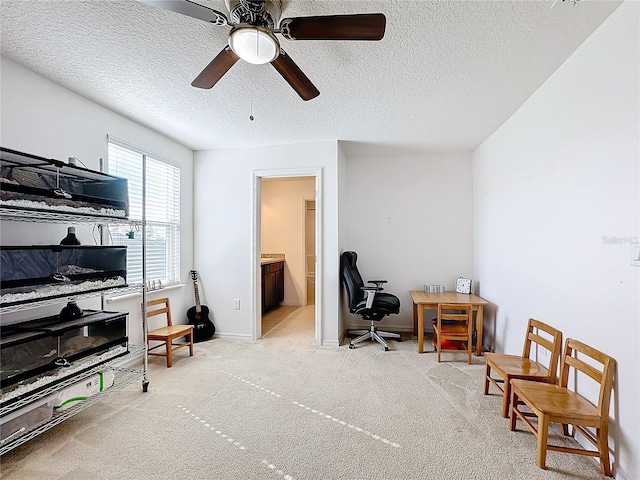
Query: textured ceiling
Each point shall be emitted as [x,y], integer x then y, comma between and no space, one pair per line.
[446,75]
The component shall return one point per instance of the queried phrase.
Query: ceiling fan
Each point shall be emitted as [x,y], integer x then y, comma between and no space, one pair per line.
[252,37]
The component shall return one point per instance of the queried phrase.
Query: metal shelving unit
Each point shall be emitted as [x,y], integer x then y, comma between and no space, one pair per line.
[53,383]
[46,302]
[24,214]
[123,376]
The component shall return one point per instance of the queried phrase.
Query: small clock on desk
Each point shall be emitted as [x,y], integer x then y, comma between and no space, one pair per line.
[463,285]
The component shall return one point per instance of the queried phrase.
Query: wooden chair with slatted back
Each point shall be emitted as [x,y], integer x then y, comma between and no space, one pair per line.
[168,334]
[454,324]
[559,404]
[508,367]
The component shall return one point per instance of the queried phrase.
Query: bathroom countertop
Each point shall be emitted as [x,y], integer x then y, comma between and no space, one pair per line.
[267,258]
[266,261]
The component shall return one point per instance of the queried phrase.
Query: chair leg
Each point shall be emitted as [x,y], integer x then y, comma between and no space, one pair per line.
[169,352]
[543,434]
[395,336]
[380,340]
[602,436]
[506,396]
[376,335]
[372,335]
[487,372]
[361,338]
[512,408]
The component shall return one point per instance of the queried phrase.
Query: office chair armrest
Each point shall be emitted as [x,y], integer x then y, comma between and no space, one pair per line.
[377,282]
[371,294]
[377,289]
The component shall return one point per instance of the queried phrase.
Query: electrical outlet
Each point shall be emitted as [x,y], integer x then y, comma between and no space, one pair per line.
[236,304]
[544,352]
[506,323]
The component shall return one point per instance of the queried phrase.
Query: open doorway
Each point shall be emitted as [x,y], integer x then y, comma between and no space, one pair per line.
[287,237]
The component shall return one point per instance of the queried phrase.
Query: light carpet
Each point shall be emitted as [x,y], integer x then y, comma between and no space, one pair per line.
[284,408]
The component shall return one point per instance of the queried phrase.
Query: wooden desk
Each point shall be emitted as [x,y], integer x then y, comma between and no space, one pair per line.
[429,301]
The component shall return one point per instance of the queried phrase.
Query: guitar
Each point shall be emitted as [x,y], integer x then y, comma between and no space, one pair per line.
[199,316]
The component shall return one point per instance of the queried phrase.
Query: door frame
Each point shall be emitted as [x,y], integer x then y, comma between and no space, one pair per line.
[258,175]
[305,201]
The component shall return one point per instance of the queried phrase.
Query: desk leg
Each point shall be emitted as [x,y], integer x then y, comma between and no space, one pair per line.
[415,318]
[420,328]
[479,323]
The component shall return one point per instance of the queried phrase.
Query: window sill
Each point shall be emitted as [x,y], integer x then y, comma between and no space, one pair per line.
[128,296]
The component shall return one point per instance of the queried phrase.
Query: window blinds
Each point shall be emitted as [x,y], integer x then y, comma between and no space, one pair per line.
[162,213]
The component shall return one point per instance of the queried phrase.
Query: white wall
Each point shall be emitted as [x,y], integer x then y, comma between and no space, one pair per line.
[410,222]
[42,118]
[283,227]
[556,204]
[224,230]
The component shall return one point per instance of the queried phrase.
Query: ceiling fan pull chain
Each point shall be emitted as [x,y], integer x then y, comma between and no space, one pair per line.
[251,103]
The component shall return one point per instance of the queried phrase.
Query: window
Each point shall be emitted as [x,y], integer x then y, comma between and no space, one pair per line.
[162,213]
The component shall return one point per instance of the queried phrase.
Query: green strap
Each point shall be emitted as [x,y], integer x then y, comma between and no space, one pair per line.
[75,399]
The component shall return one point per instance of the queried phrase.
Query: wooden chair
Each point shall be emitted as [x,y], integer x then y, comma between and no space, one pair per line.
[454,323]
[557,403]
[509,367]
[169,333]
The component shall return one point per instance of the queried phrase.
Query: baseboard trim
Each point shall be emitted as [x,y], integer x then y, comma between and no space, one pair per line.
[232,336]
[619,474]
[130,361]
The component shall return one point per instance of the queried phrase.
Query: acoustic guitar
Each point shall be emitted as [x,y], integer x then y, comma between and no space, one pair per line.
[199,316]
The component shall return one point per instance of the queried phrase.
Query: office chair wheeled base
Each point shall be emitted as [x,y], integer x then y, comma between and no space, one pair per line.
[374,334]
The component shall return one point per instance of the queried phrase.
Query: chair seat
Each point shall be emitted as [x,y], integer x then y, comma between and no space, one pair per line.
[515,366]
[172,331]
[454,329]
[555,401]
[382,301]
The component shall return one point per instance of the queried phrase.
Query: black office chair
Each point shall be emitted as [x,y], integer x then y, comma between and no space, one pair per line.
[367,302]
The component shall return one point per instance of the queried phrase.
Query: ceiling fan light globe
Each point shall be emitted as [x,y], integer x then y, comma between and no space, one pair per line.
[253,44]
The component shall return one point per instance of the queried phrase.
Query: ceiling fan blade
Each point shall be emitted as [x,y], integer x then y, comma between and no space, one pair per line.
[294,76]
[216,69]
[190,9]
[363,26]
